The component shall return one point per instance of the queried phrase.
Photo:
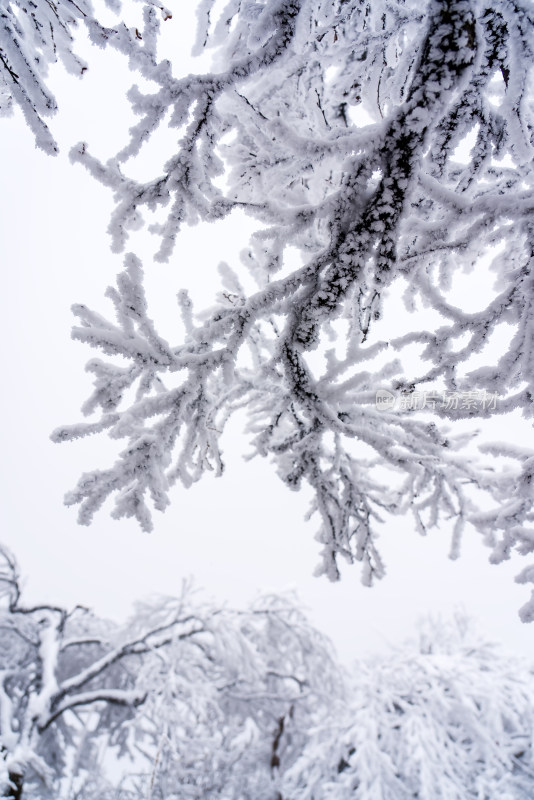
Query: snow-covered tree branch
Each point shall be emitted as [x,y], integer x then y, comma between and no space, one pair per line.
[335,125]
[35,35]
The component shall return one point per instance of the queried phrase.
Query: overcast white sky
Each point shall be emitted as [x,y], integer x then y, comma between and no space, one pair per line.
[237,535]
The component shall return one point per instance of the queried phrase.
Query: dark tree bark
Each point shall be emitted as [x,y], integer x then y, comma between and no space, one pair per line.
[13,790]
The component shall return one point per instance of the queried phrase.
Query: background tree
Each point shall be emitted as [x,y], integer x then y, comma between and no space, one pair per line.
[345,212]
[68,680]
[227,696]
[446,717]
[227,718]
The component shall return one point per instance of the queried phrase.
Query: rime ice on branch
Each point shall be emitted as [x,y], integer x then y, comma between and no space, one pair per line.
[364,206]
